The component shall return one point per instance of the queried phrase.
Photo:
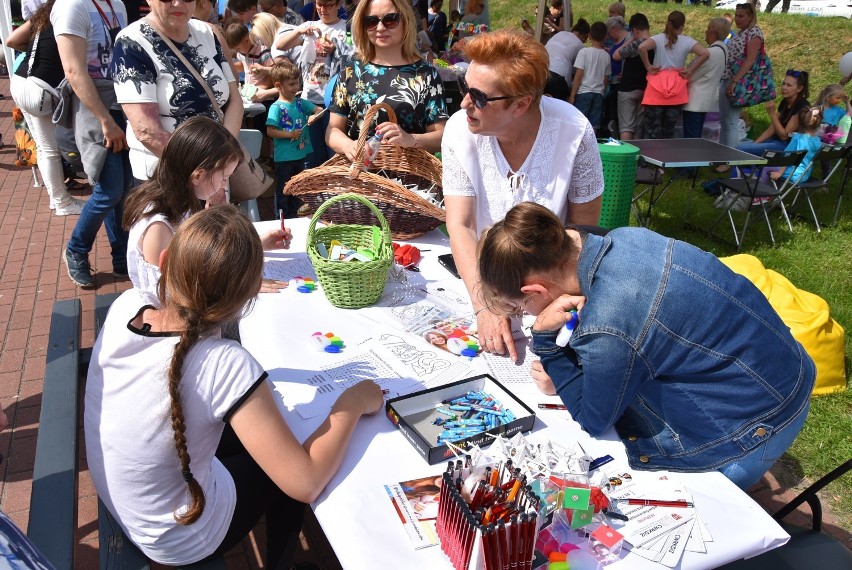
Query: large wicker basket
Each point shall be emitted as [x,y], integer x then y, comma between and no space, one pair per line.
[351,284]
[408,214]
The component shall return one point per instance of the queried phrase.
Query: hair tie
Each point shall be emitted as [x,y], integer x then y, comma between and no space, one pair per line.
[187,474]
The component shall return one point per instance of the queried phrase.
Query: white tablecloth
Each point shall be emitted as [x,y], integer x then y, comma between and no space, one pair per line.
[355,511]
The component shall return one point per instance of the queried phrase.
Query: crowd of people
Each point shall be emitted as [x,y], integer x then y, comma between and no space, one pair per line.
[184,440]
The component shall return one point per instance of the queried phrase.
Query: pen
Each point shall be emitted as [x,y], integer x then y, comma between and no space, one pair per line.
[552,407]
[283,227]
[656,503]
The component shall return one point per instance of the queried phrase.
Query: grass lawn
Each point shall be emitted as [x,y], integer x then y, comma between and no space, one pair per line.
[817,262]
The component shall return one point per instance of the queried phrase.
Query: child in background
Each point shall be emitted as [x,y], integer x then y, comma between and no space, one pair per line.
[196,163]
[591,76]
[834,104]
[285,124]
[807,138]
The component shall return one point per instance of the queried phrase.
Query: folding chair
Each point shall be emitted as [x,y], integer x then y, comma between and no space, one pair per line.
[251,139]
[808,548]
[835,156]
[757,194]
[847,173]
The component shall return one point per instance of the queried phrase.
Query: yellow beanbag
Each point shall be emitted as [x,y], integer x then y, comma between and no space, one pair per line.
[807,316]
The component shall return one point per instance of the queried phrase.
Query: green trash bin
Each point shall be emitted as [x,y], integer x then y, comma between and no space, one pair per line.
[619,167]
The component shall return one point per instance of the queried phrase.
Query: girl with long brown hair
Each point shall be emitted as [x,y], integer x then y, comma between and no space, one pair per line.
[195,166]
[184,439]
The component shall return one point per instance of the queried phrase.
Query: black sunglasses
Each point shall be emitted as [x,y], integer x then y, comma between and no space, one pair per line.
[390,21]
[794,73]
[480,99]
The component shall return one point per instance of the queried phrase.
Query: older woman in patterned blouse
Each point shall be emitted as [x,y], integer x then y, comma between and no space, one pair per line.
[157,92]
[508,145]
[388,69]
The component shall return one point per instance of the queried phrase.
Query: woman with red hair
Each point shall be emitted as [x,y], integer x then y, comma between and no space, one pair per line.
[507,145]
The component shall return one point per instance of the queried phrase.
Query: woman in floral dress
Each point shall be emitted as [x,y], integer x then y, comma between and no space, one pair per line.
[388,69]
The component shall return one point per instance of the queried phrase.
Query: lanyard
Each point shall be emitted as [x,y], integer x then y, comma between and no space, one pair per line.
[104,16]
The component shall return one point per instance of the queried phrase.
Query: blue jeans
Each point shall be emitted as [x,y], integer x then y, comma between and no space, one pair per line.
[321,152]
[758,148]
[591,105]
[747,470]
[284,171]
[693,124]
[105,207]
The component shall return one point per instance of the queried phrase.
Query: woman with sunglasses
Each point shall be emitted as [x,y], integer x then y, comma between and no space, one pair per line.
[388,68]
[728,391]
[324,51]
[784,119]
[508,145]
[745,46]
[158,92]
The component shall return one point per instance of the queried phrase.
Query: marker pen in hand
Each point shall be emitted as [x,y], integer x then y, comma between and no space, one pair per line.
[283,226]
[565,333]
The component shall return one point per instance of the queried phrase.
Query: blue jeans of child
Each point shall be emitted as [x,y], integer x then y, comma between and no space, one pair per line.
[284,171]
[591,105]
[321,152]
[105,207]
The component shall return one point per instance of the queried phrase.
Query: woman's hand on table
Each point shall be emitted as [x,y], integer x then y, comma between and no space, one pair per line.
[555,315]
[276,239]
[393,134]
[495,334]
[542,379]
[364,398]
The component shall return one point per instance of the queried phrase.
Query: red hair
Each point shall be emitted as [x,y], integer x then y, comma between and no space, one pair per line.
[521,64]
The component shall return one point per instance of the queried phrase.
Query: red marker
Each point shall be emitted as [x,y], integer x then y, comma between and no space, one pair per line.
[551,407]
[656,503]
[283,227]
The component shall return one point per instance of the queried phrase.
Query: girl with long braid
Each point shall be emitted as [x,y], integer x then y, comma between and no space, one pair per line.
[184,440]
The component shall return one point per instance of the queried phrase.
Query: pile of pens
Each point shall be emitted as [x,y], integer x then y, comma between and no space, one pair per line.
[502,513]
[471,414]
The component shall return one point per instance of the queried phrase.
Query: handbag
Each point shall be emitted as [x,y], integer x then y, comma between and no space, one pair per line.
[36,96]
[249,180]
[756,86]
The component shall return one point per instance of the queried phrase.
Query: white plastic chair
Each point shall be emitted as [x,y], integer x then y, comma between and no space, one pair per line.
[251,139]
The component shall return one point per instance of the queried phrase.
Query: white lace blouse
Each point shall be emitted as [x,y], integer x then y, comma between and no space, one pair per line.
[563,166]
[144,276]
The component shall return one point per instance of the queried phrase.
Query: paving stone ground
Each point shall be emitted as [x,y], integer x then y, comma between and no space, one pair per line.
[32,277]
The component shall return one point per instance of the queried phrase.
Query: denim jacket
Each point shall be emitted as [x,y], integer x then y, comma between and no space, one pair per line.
[684,357]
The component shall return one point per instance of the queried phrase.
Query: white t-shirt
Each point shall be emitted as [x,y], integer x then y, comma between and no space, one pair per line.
[145,70]
[317,72]
[563,166]
[703,86]
[144,276]
[596,68]
[674,56]
[563,48]
[129,439]
[82,19]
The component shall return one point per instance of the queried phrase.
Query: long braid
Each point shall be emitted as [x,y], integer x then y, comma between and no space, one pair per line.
[187,339]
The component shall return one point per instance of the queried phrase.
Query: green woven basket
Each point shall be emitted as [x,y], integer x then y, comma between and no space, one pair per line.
[351,284]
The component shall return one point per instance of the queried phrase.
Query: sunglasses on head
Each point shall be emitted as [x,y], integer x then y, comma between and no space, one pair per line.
[794,73]
[480,99]
[170,1]
[390,21]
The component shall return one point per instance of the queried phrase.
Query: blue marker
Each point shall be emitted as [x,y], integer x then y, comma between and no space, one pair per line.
[565,334]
